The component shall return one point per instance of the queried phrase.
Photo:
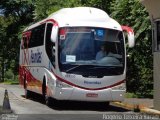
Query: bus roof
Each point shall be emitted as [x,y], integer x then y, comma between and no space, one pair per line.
[81,16]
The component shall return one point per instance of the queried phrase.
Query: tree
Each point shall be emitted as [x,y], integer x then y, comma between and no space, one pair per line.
[101,4]
[3,26]
[21,10]
[16,13]
[132,13]
[45,8]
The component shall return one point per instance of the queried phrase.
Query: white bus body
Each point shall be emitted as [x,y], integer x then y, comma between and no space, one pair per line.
[58,56]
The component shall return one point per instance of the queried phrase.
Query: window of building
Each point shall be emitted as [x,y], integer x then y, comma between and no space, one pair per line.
[156,37]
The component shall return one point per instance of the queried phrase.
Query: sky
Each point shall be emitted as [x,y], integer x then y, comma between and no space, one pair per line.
[1,12]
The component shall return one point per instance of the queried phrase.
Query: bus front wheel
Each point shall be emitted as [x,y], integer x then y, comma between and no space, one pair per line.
[47,99]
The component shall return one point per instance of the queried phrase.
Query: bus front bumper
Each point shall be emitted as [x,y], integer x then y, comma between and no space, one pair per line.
[78,94]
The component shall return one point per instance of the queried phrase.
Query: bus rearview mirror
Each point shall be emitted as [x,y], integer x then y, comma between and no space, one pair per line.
[54,33]
[131,40]
[130,35]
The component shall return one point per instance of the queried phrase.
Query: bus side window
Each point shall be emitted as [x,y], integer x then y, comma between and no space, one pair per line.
[37,36]
[50,46]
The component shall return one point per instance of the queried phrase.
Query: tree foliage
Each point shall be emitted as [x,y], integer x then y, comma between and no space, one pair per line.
[21,10]
[44,8]
[139,75]
[101,4]
[16,14]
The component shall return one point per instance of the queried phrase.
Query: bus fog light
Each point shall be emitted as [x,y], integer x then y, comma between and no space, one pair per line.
[60,84]
[120,87]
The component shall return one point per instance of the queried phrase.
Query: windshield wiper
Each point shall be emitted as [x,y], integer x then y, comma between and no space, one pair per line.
[93,67]
[106,67]
[77,66]
[72,68]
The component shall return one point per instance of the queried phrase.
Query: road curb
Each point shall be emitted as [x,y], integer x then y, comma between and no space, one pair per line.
[150,111]
[141,108]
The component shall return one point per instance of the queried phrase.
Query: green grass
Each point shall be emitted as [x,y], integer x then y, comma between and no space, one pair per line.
[9,82]
[131,95]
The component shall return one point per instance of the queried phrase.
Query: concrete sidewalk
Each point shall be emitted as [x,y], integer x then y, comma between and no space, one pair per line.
[143,105]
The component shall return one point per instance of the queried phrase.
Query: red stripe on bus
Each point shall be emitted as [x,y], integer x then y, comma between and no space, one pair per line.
[27,33]
[128,29]
[51,20]
[72,84]
[32,82]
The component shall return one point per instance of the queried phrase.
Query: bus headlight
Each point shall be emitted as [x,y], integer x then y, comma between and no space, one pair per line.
[120,87]
[60,84]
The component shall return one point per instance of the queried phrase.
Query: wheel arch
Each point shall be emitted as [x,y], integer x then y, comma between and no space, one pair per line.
[25,81]
[44,84]
[45,79]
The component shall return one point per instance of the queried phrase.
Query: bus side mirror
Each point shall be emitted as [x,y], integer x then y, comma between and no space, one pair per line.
[54,33]
[130,34]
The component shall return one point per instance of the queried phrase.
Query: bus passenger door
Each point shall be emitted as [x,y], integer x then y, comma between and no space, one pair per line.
[50,45]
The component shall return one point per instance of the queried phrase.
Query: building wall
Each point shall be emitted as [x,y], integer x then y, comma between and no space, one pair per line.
[153,7]
[156,76]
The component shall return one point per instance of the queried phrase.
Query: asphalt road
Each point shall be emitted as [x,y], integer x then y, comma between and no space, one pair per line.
[34,108]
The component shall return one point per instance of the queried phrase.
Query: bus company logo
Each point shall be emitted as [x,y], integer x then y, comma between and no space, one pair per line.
[94,82]
[36,57]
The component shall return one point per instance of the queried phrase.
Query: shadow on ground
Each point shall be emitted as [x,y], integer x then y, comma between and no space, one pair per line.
[77,106]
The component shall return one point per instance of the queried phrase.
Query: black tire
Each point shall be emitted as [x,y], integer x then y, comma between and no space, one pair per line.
[27,93]
[47,99]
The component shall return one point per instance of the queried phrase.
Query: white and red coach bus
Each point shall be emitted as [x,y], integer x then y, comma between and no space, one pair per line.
[75,54]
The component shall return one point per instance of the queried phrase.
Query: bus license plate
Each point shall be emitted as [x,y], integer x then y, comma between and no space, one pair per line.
[92,95]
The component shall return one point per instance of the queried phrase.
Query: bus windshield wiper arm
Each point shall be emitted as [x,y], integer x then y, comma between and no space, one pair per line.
[77,66]
[72,68]
[114,66]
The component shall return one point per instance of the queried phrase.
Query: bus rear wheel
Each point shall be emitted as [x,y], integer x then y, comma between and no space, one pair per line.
[26,92]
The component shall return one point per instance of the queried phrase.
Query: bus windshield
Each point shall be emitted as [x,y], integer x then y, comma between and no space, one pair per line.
[86,50]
